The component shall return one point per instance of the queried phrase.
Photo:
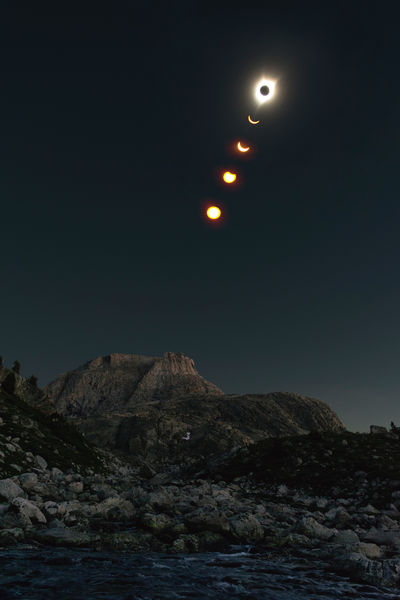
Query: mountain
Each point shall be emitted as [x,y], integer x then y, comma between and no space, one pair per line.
[160,409]
[120,382]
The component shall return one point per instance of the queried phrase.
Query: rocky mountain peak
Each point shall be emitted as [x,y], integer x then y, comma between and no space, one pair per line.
[161,409]
[117,382]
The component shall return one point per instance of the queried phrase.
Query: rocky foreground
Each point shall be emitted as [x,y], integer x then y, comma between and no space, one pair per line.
[171,513]
[330,495]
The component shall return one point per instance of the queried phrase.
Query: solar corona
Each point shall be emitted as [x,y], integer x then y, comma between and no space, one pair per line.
[265,90]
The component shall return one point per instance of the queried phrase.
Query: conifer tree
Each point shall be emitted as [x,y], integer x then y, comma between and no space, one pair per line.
[33,381]
[16,366]
[8,384]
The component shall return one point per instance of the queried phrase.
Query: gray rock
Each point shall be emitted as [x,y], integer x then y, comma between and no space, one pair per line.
[346,536]
[374,572]
[311,528]
[50,507]
[202,520]
[104,490]
[28,480]
[292,540]
[115,509]
[40,462]
[381,537]
[369,510]
[60,536]
[321,503]
[246,528]
[11,537]
[160,500]
[9,490]
[369,550]
[56,475]
[76,487]
[157,522]
[29,511]
[282,490]
[377,429]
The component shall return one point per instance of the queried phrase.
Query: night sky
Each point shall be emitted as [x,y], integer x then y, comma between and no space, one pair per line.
[114,121]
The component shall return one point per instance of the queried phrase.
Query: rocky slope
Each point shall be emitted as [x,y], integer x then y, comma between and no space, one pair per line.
[162,410]
[176,513]
[30,438]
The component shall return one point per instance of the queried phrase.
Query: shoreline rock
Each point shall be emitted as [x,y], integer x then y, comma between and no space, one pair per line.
[129,513]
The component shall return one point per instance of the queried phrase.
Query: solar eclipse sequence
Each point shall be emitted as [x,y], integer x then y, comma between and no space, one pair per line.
[264,92]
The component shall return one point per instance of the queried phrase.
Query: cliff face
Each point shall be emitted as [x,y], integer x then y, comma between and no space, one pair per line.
[120,382]
[162,410]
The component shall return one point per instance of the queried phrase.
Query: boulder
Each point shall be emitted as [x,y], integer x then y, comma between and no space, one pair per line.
[28,480]
[377,429]
[311,528]
[201,520]
[51,508]
[60,536]
[345,536]
[115,509]
[369,550]
[381,537]
[40,462]
[56,475]
[11,537]
[75,487]
[9,490]
[368,510]
[160,500]
[373,572]
[246,528]
[29,511]
[157,522]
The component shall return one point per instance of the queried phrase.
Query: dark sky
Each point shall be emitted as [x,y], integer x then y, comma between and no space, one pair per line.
[114,118]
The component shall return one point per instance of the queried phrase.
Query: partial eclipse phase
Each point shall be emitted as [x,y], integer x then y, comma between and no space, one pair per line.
[242,148]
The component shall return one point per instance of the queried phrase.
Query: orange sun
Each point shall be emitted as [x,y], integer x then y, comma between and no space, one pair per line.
[213,212]
[229,177]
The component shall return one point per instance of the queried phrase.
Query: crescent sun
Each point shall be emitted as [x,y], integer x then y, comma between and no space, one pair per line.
[251,120]
[242,148]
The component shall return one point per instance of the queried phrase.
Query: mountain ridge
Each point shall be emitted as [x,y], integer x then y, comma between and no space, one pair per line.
[161,409]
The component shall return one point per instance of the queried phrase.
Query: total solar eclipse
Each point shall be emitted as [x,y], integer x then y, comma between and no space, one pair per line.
[265,90]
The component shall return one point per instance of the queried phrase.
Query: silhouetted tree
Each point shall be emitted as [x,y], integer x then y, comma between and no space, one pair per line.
[8,383]
[33,381]
[16,367]
[1,362]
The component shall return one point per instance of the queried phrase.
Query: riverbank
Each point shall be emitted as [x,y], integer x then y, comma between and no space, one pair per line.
[177,512]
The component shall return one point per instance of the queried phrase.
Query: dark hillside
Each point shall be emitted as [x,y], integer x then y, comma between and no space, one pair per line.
[26,432]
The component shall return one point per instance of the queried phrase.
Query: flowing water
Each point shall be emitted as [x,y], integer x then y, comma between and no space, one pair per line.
[63,574]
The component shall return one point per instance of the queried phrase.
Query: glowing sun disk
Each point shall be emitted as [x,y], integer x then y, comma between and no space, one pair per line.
[213,212]
[229,177]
